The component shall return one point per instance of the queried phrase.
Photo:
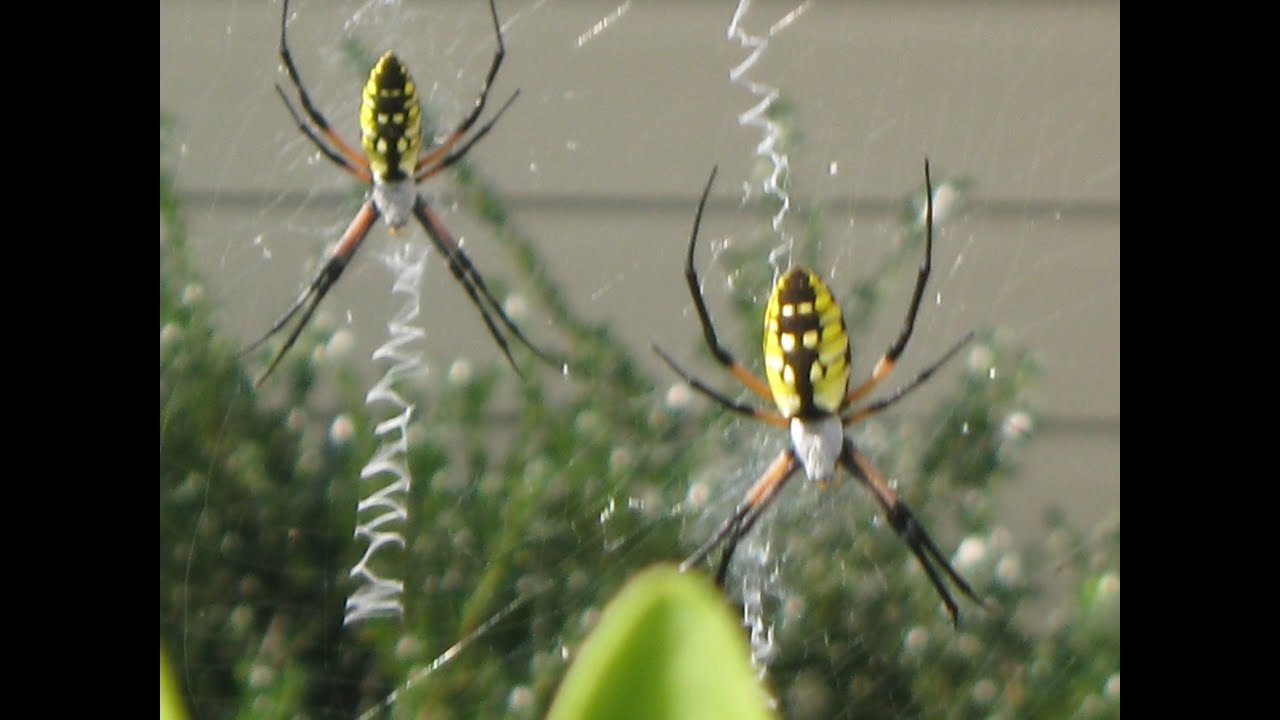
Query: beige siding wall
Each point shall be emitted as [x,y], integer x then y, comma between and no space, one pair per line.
[603,155]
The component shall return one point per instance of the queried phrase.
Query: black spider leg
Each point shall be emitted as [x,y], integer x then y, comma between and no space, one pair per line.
[496,63]
[453,157]
[333,155]
[750,520]
[722,356]
[922,274]
[429,159]
[473,283]
[890,358]
[320,286]
[915,382]
[718,351]
[729,404]
[744,517]
[346,159]
[904,523]
[730,524]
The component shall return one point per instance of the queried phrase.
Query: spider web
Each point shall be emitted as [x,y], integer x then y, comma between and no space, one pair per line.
[819,116]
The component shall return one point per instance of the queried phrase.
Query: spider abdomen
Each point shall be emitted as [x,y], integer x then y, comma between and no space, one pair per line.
[806,347]
[390,120]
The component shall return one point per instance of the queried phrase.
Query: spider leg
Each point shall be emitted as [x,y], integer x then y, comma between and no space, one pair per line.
[758,386]
[775,477]
[885,364]
[730,524]
[352,161]
[914,383]
[426,172]
[744,517]
[740,408]
[909,529]
[319,287]
[473,283]
[443,148]
[334,156]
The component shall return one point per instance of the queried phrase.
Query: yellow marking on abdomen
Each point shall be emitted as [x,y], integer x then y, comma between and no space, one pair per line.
[806,347]
[390,120]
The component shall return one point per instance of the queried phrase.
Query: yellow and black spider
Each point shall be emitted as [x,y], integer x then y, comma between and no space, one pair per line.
[807,363]
[393,163]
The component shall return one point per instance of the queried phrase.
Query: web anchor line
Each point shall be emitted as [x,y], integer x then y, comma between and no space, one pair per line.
[444,658]
[381,512]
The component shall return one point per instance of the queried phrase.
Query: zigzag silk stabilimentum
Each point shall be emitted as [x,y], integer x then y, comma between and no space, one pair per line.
[385,479]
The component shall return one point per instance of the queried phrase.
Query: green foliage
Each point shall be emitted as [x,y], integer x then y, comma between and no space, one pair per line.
[551,505]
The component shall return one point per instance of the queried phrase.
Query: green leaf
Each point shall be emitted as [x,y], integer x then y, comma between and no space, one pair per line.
[170,694]
[666,647]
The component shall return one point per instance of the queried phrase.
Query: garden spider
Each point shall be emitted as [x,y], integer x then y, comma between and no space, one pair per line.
[393,163]
[807,356]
